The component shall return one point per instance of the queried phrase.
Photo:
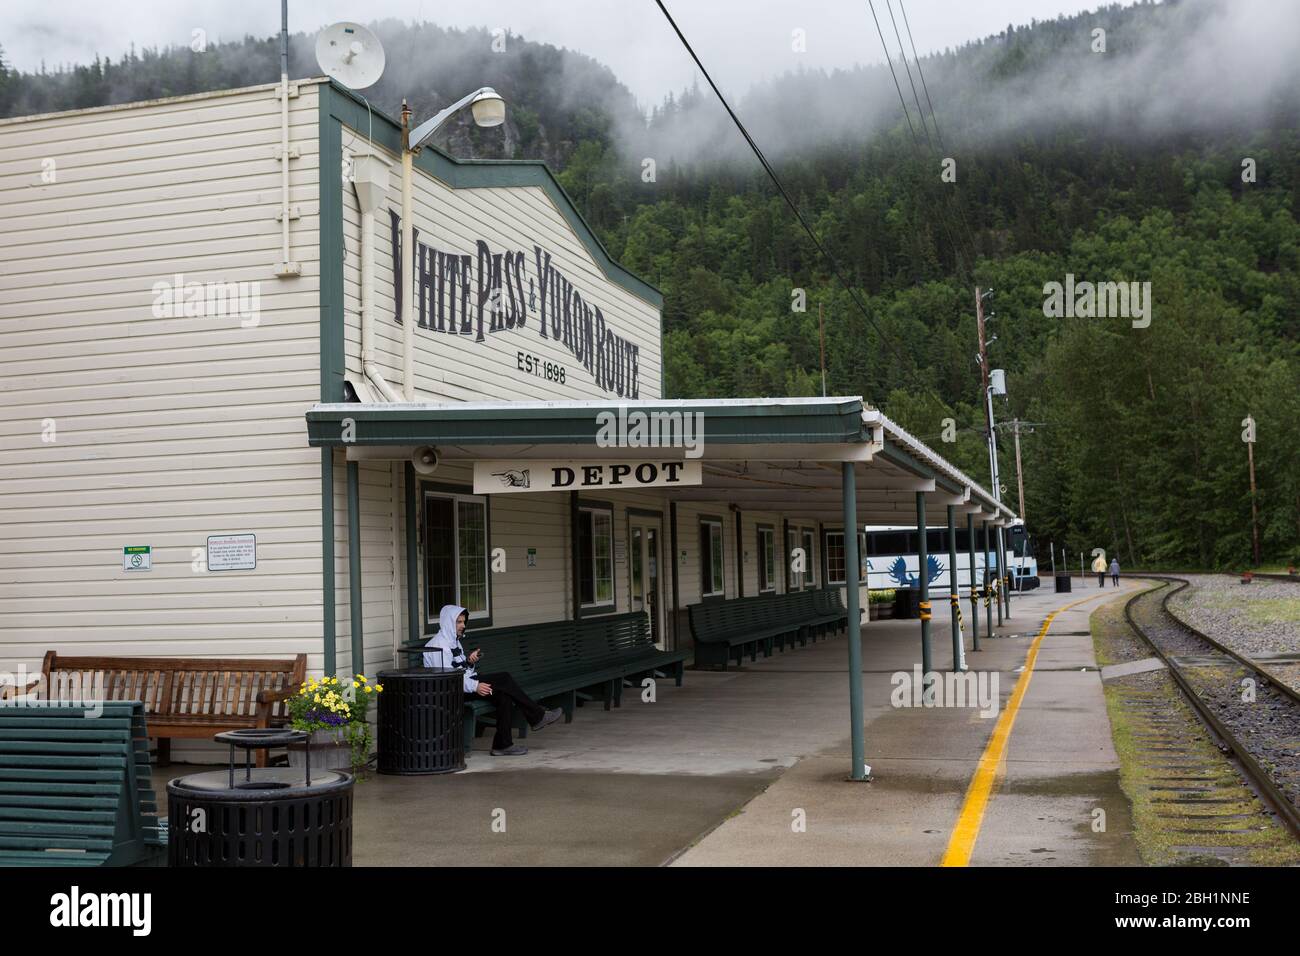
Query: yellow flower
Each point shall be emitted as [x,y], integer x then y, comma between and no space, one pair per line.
[355,684]
[369,689]
[317,699]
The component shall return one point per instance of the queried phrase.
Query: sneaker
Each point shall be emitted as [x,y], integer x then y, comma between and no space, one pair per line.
[516,750]
[550,717]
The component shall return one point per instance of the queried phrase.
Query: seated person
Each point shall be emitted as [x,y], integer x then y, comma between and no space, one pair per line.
[501,687]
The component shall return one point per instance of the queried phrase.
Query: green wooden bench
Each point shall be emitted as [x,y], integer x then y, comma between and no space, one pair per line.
[567,662]
[75,789]
[724,630]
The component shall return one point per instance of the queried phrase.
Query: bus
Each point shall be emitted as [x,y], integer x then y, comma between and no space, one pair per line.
[890,554]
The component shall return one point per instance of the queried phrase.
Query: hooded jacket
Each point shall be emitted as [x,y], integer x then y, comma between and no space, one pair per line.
[453,655]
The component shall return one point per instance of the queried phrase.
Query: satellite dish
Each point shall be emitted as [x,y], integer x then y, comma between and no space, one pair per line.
[351,54]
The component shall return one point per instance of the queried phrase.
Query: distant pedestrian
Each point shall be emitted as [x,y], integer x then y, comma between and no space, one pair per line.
[1099,569]
[1114,571]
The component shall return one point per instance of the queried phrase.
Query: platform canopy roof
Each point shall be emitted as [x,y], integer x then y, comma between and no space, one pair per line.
[761,454]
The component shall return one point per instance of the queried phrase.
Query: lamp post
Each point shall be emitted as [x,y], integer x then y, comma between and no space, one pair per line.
[489,109]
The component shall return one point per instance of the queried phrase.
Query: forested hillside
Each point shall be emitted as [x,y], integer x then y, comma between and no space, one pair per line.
[1123,166]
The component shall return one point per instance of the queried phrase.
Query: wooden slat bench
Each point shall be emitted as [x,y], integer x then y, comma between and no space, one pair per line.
[564,661]
[724,630]
[75,788]
[190,698]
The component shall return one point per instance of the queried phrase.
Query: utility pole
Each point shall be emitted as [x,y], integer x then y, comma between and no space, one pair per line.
[1017,427]
[1004,593]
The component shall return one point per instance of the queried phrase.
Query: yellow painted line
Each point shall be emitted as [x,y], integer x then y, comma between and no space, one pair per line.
[962,842]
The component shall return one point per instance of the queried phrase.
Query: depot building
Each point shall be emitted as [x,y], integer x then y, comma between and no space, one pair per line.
[222,440]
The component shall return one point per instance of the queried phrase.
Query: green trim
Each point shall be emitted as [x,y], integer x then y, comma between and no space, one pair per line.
[575,570]
[672,535]
[645,513]
[329,606]
[412,507]
[831,422]
[358,661]
[333,363]
[345,106]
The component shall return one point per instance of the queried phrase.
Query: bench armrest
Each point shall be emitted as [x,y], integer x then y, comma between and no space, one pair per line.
[266,697]
[8,691]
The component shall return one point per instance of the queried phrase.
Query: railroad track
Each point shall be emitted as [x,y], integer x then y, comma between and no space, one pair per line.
[1262,733]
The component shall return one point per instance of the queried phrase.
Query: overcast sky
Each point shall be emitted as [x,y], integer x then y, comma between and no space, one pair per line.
[740,41]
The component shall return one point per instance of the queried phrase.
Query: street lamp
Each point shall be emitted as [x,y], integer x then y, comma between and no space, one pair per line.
[488,109]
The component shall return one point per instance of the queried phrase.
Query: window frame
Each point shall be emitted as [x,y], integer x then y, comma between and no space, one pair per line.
[766,554]
[593,508]
[863,572]
[808,539]
[456,495]
[706,524]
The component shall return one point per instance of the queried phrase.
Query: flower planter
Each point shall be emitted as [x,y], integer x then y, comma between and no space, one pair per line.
[330,750]
[882,610]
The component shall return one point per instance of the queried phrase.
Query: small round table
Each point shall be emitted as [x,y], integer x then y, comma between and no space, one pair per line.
[421,730]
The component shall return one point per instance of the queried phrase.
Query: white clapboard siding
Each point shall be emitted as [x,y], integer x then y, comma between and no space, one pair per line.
[453,367]
[167,429]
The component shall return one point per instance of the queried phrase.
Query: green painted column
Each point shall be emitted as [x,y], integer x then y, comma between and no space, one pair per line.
[954,600]
[923,584]
[851,569]
[329,609]
[1005,574]
[358,663]
[988,596]
[997,571]
[412,561]
[974,586]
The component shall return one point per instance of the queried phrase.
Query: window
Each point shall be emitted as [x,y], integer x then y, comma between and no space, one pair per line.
[888,543]
[711,583]
[810,555]
[766,559]
[835,557]
[793,579]
[455,554]
[596,556]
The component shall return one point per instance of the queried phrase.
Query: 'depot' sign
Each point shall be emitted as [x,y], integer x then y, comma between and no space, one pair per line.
[507,477]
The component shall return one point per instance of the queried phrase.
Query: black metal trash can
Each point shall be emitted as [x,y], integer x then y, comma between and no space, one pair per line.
[420,721]
[1063,585]
[260,816]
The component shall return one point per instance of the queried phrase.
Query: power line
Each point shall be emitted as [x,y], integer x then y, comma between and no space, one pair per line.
[970,235]
[944,214]
[767,167]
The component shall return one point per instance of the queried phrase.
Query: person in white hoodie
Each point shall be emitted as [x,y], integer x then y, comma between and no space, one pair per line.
[506,694]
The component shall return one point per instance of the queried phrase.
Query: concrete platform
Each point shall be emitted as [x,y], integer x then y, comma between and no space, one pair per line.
[720,771]
[1058,768]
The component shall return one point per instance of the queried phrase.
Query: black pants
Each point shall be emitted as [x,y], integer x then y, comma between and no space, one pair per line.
[506,694]
[1115,579]
[1101,579]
